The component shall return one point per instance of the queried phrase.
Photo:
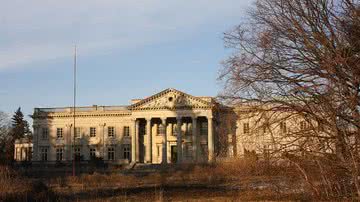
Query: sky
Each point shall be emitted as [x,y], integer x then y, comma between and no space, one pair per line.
[126,49]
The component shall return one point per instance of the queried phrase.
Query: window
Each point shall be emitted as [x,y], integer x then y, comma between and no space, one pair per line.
[59,153]
[203,128]
[174,129]
[246,128]
[188,129]
[204,149]
[59,133]
[158,150]
[111,131]
[77,132]
[126,131]
[304,125]
[266,152]
[111,153]
[126,151]
[92,132]
[188,150]
[77,152]
[159,129]
[45,134]
[283,127]
[92,153]
[44,153]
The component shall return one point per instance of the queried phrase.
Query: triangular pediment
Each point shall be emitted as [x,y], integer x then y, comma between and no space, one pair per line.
[171,99]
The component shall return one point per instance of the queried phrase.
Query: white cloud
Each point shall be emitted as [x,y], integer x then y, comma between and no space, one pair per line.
[33,31]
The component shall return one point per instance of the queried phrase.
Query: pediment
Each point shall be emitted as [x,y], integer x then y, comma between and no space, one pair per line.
[171,99]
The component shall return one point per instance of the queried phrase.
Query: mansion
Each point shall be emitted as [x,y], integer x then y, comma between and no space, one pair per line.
[168,127]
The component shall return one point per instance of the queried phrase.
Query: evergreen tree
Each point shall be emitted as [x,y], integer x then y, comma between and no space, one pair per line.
[19,129]
[20,126]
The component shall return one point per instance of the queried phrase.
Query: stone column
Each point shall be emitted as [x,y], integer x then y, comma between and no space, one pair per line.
[68,142]
[179,139]
[137,142]
[163,131]
[210,139]
[149,145]
[133,141]
[102,125]
[194,138]
[36,155]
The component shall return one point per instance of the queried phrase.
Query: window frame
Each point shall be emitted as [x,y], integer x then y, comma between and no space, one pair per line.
[246,128]
[126,131]
[59,153]
[59,133]
[92,132]
[45,133]
[126,151]
[111,131]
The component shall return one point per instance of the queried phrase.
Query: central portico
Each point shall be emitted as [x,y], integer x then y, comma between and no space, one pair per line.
[172,127]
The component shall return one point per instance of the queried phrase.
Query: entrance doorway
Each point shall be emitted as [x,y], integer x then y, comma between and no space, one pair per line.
[173,154]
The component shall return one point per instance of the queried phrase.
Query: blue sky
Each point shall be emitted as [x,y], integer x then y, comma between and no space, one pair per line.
[126,49]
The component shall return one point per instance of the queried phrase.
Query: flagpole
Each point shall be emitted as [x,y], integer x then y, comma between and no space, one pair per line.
[74,111]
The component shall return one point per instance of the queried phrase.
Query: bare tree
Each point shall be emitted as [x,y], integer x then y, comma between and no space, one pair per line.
[301,58]
[4,134]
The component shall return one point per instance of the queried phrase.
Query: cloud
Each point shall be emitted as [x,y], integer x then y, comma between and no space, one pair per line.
[35,31]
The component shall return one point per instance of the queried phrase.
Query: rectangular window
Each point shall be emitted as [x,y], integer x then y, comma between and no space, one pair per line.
[304,125]
[92,132]
[204,149]
[77,132]
[59,133]
[158,147]
[158,129]
[246,128]
[204,128]
[111,131]
[92,153]
[44,153]
[126,131]
[77,151]
[174,129]
[283,127]
[59,153]
[126,151]
[45,134]
[111,153]
[188,150]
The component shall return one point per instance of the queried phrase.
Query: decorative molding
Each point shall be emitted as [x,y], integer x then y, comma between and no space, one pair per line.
[171,99]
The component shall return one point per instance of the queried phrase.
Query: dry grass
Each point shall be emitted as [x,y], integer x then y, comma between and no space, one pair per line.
[238,180]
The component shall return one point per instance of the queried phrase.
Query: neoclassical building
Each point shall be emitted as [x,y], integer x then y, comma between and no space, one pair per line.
[168,127]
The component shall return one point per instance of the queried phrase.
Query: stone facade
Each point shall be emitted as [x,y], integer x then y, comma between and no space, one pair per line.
[168,127]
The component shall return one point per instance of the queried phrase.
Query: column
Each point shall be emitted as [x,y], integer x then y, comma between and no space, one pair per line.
[133,141]
[36,155]
[194,138]
[137,143]
[149,145]
[164,149]
[68,142]
[210,139]
[179,139]
[102,125]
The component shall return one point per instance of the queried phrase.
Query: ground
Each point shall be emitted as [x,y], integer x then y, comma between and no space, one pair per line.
[225,182]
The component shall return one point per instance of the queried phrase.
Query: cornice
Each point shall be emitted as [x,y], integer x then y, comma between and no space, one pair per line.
[69,115]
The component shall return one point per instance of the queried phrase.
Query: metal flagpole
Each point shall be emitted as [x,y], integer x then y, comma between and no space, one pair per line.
[74,111]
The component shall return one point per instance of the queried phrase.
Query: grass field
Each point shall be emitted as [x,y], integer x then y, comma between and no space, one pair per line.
[235,181]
